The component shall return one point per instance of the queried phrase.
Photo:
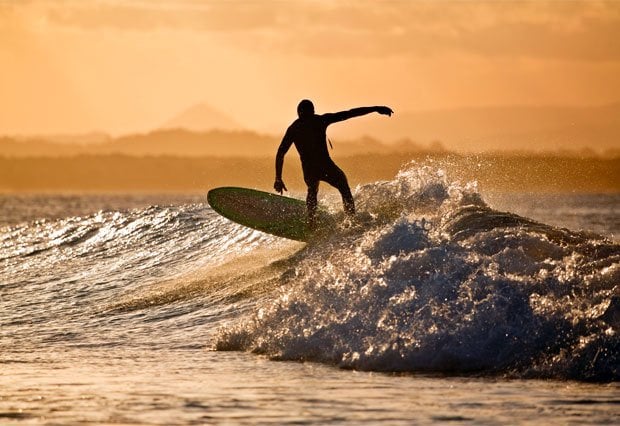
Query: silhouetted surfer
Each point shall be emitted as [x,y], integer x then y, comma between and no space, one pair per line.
[308,133]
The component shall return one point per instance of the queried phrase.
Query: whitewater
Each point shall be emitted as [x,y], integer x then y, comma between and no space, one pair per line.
[439,304]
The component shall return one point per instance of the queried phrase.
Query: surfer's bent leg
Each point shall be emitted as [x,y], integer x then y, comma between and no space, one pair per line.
[311,201]
[336,178]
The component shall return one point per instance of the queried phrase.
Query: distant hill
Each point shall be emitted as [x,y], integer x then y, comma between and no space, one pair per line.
[184,143]
[200,118]
[564,131]
[497,128]
[78,138]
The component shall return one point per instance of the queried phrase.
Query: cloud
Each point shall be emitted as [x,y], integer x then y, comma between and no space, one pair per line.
[181,15]
[586,31]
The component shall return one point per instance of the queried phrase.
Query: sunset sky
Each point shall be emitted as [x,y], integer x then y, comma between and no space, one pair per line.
[127,66]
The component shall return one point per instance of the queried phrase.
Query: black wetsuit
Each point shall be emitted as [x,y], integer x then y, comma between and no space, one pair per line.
[308,133]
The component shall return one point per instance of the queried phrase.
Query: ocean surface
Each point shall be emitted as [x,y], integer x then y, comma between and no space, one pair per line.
[440,305]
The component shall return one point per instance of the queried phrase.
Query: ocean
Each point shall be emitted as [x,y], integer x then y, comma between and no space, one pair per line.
[441,304]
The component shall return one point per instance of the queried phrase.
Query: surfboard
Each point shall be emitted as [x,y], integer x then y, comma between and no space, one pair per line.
[274,214]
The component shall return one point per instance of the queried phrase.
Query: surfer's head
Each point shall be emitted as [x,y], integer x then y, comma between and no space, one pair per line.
[305,108]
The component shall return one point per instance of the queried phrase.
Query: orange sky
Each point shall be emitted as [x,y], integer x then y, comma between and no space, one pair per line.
[126,66]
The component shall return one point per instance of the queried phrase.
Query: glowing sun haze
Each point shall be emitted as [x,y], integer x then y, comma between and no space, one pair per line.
[124,66]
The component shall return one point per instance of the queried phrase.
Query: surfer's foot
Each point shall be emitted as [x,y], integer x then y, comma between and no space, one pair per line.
[359,220]
[363,218]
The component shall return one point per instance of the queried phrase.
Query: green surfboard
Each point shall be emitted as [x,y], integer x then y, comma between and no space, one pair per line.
[274,214]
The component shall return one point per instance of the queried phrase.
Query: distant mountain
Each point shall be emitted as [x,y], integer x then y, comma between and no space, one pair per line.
[498,128]
[200,118]
[184,143]
[582,131]
[78,138]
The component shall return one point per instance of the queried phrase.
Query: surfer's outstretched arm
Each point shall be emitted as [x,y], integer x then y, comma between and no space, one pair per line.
[356,112]
[286,143]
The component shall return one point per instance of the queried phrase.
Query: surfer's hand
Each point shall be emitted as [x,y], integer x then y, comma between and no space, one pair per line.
[385,110]
[279,186]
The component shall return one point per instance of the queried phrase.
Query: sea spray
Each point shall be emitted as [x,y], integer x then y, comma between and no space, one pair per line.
[435,280]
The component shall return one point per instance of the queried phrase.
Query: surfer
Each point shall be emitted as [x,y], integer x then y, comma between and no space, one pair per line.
[308,133]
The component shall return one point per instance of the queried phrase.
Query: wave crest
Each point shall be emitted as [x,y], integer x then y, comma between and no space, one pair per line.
[435,280]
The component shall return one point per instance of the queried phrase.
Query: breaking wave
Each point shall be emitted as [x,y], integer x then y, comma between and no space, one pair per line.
[432,279]
[428,279]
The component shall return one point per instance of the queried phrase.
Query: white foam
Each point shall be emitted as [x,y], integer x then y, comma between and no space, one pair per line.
[436,280]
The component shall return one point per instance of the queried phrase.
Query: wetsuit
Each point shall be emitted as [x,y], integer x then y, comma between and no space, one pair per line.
[308,133]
